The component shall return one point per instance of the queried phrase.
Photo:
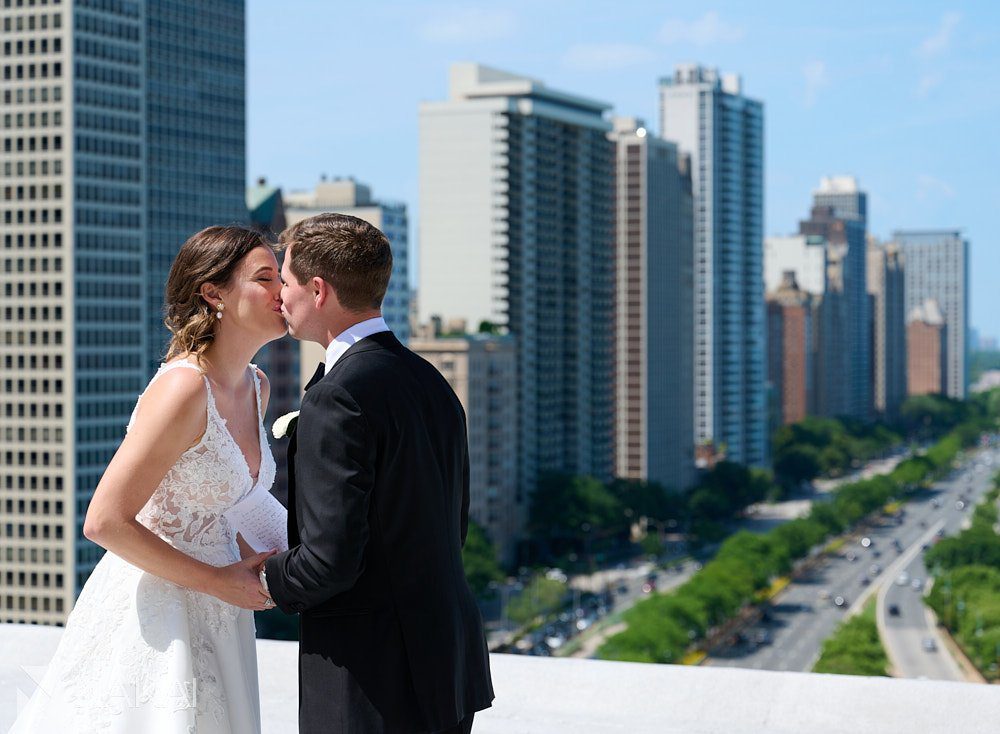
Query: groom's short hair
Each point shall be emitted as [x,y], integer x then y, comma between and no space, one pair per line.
[350,254]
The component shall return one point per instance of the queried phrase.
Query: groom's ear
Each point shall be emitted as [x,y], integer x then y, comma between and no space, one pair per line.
[321,291]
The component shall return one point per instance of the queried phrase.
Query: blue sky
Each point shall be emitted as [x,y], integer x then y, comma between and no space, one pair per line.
[904,95]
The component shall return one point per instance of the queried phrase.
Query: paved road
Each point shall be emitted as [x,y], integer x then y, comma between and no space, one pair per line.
[805,614]
[904,635]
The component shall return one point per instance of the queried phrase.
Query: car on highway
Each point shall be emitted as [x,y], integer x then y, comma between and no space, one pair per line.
[960,505]
[903,579]
[929,644]
[894,610]
[866,542]
[824,594]
[917,584]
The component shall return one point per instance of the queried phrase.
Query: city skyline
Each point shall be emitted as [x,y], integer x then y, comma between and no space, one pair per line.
[917,115]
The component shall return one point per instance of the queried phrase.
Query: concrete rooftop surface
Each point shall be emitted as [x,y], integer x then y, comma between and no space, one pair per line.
[562,696]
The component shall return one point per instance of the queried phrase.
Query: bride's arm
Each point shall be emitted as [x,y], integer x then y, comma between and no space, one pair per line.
[171,418]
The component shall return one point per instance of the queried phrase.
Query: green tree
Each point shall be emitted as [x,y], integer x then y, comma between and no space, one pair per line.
[796,464]
[648,499]
[567,511]
[480,560]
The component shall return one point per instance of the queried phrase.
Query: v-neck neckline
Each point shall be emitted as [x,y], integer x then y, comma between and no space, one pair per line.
[254,480]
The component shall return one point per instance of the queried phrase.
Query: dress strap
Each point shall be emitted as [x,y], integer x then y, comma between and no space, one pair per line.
[256,387]
[167,366]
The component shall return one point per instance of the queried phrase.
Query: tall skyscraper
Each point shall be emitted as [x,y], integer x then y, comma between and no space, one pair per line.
[842,195]
[95,104]
[937,268]
[195,110]
[516,206]
[840,215]
[887,288]
[347,196]
[722,131]
[654,379]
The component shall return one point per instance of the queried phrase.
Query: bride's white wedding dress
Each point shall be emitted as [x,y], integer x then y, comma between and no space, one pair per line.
[141,654]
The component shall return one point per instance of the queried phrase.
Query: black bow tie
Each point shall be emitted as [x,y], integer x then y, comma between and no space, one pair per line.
[317,375]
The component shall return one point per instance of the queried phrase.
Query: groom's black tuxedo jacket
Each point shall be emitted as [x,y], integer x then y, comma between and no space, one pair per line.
[378,504]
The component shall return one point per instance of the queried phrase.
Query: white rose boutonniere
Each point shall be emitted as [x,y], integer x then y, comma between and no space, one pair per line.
[284,425]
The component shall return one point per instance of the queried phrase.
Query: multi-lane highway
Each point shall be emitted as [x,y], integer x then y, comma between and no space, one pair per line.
[807,612]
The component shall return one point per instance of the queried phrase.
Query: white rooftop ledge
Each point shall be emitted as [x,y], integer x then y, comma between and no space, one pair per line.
[547,696]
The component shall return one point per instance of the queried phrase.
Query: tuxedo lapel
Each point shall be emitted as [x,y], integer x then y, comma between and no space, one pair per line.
[317,375]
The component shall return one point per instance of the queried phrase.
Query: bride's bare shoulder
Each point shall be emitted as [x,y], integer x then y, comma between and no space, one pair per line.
[177,397]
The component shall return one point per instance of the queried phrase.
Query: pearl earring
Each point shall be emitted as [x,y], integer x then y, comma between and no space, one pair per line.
[218,314]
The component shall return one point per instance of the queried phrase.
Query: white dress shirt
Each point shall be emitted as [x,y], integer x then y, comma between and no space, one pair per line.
[350,336]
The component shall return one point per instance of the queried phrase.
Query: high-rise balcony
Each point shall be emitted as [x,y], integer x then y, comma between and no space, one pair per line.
[565,696]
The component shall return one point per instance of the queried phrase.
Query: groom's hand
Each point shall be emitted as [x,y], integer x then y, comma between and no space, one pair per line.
[238,583]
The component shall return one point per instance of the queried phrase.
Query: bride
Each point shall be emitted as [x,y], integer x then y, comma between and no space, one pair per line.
[162,636]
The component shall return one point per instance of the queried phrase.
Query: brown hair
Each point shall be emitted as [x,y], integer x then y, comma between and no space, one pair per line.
[210,256]
[350,254]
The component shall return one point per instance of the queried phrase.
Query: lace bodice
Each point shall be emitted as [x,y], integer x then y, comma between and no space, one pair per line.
[187,508]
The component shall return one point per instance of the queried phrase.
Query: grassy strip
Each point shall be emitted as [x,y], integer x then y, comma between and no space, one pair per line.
[966,591]
[854,648]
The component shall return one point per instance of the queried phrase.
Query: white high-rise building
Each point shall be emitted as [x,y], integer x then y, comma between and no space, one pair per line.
[722,130]
[98,102]
[516,228]
[347,196]
[937,268]
[654,379]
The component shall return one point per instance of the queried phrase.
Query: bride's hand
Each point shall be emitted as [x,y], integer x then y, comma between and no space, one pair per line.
[239,583]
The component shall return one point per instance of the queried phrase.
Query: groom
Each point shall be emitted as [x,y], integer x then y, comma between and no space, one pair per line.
[378,502]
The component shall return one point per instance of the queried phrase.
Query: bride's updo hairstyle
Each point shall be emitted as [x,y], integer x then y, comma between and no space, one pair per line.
[210,256]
